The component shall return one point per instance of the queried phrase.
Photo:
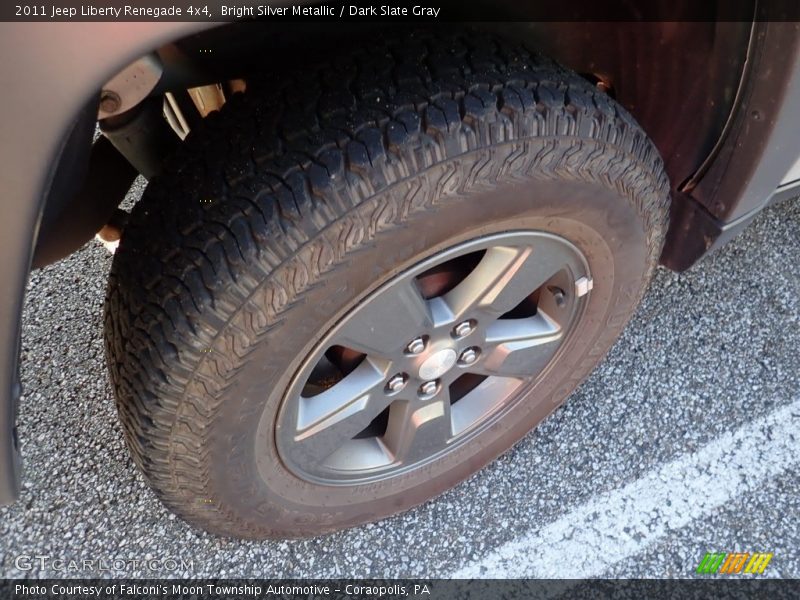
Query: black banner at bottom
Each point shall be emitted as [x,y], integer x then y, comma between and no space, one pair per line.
[393,589]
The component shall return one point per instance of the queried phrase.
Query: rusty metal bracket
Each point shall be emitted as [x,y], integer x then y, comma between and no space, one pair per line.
[130,86]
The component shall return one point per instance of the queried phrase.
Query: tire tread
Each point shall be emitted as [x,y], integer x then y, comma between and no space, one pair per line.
[282,168]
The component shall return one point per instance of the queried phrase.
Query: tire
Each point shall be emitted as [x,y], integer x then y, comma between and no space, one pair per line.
[300,204]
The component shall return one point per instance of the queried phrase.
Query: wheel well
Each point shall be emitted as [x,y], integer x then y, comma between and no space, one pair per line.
[678,79]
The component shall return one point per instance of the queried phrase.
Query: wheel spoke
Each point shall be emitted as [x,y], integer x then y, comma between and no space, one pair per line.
[330,419]
[503,278]
[481,402]
[416,432]
[386,324]
[490,314]
[519,347]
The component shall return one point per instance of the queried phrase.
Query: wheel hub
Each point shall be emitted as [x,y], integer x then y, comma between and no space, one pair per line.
[426,373]
[437,364]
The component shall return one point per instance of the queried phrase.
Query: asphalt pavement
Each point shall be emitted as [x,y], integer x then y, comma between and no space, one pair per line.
[685,440]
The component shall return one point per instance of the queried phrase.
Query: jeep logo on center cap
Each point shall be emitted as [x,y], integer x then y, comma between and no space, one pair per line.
[437,364]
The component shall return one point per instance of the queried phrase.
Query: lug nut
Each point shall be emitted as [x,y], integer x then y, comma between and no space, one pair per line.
[463,329]
[469,356]
[416,346]
[428,388]
[396,383]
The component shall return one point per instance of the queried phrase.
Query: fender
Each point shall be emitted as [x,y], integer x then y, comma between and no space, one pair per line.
[40,106]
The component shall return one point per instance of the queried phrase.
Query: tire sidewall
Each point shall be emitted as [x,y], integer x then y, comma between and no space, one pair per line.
[247,473]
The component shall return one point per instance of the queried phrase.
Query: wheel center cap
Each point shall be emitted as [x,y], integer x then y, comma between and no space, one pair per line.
[437,364]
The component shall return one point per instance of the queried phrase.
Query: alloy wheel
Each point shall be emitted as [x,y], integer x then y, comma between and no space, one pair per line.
[433,357]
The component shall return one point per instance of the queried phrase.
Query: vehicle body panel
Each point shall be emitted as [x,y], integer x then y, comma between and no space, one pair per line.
[48,72]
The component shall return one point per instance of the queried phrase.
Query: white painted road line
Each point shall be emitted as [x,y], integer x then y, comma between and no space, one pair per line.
[589,539]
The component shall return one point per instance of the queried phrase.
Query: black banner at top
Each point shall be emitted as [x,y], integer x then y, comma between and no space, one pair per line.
[398,11]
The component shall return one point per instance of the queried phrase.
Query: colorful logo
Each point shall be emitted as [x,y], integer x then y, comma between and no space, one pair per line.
[733,563]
